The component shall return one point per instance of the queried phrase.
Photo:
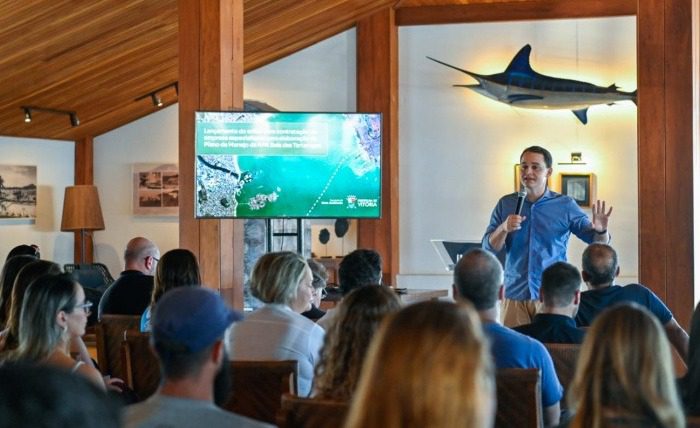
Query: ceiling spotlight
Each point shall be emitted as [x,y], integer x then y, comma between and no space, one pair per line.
[157,101]
[74,121]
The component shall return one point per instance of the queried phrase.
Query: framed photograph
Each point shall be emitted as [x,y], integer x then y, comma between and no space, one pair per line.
[18,192]
[156,189]
[516,174]
[579,187]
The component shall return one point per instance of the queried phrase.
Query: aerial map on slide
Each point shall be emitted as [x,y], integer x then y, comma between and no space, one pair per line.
[297,165]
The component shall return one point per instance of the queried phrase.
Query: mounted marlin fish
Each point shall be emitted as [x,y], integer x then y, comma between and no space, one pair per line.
[521,86]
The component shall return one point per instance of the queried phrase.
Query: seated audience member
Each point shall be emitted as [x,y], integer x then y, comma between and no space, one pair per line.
[188,332]
[478,279]
[43,396]
[9,338]
[320,276]
[277,331]
[560,294]
[53,313]
[177,268]
[359,268]
[428,366]
[24,250]
[346,343]
[130,294]
[690,383]
[600,268]
[624,376]
[7,279]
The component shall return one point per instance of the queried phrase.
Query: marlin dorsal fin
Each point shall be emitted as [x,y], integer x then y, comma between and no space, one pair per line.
[521,61]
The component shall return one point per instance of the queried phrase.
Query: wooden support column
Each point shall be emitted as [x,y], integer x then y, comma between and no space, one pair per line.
[377,91]
[83,174]
[210,78]
[665,105]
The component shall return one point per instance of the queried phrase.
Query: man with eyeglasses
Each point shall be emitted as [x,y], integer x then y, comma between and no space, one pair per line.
[130,294]
[320,276]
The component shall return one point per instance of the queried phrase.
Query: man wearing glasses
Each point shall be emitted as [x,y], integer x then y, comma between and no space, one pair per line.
[130,294]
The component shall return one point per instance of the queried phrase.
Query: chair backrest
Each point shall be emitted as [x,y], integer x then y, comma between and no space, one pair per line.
[565,357]
[519,398]
[109,333]
[298,412]
[140,365]
[90,275]
[257,387]
[692,421]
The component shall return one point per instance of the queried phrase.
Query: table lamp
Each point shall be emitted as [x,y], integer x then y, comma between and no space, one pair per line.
[82,212]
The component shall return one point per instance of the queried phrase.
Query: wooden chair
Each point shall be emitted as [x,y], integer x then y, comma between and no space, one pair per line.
[109,333]
[519,398]
[140,364]
[258,386]
[565,357]
[692,421]
[299,412]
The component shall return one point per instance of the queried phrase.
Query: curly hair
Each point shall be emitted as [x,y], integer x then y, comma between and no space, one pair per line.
[359,316]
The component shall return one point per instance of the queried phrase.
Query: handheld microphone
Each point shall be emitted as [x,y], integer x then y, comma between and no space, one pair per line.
[520,203]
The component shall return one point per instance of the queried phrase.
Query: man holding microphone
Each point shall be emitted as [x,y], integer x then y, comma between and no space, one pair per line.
[533,228]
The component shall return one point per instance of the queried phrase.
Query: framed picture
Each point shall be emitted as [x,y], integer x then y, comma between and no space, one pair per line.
[18,192]
[156,189]
[579,187]
[516,174]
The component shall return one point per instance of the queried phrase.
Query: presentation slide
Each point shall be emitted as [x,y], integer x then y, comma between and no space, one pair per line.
[295,165]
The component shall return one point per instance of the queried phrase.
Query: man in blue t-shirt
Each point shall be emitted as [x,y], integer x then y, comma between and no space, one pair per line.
[599,269]
[478,278]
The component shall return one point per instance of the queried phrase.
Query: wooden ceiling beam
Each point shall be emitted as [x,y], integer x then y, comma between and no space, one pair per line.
[460,12]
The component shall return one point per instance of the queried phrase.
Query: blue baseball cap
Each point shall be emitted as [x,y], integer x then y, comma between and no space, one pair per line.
[194,317]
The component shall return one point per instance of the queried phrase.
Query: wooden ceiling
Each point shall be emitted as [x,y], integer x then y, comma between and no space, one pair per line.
[97,57]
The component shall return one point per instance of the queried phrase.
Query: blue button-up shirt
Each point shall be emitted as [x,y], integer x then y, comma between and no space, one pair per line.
[541,241]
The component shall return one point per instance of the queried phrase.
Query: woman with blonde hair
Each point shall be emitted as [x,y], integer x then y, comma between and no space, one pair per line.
[53,313]
[345,345]
[277,330]
[624,375]
[176,268]
[428,366]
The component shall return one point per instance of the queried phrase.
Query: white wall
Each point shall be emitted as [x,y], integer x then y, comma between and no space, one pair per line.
[152,139]
[319,78]
[458,148]
[54,173]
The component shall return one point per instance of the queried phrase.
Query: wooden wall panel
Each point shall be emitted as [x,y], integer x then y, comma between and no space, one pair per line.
[210,41]
[377,91]
[666,152]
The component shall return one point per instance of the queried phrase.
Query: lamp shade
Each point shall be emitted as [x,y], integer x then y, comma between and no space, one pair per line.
[81,209]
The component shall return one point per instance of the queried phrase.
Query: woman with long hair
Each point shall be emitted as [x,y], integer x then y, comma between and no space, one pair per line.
[7,279]
[54,312]
[277,330]
[9,338]
[428,366]
[624,375]
[346,343]
[176,268]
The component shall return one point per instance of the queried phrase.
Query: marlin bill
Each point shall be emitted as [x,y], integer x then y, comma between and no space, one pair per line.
[521,86]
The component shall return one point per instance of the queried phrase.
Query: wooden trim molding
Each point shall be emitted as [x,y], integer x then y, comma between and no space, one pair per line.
[517,10]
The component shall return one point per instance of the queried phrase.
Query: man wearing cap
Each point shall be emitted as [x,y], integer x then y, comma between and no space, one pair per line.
[188,331]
